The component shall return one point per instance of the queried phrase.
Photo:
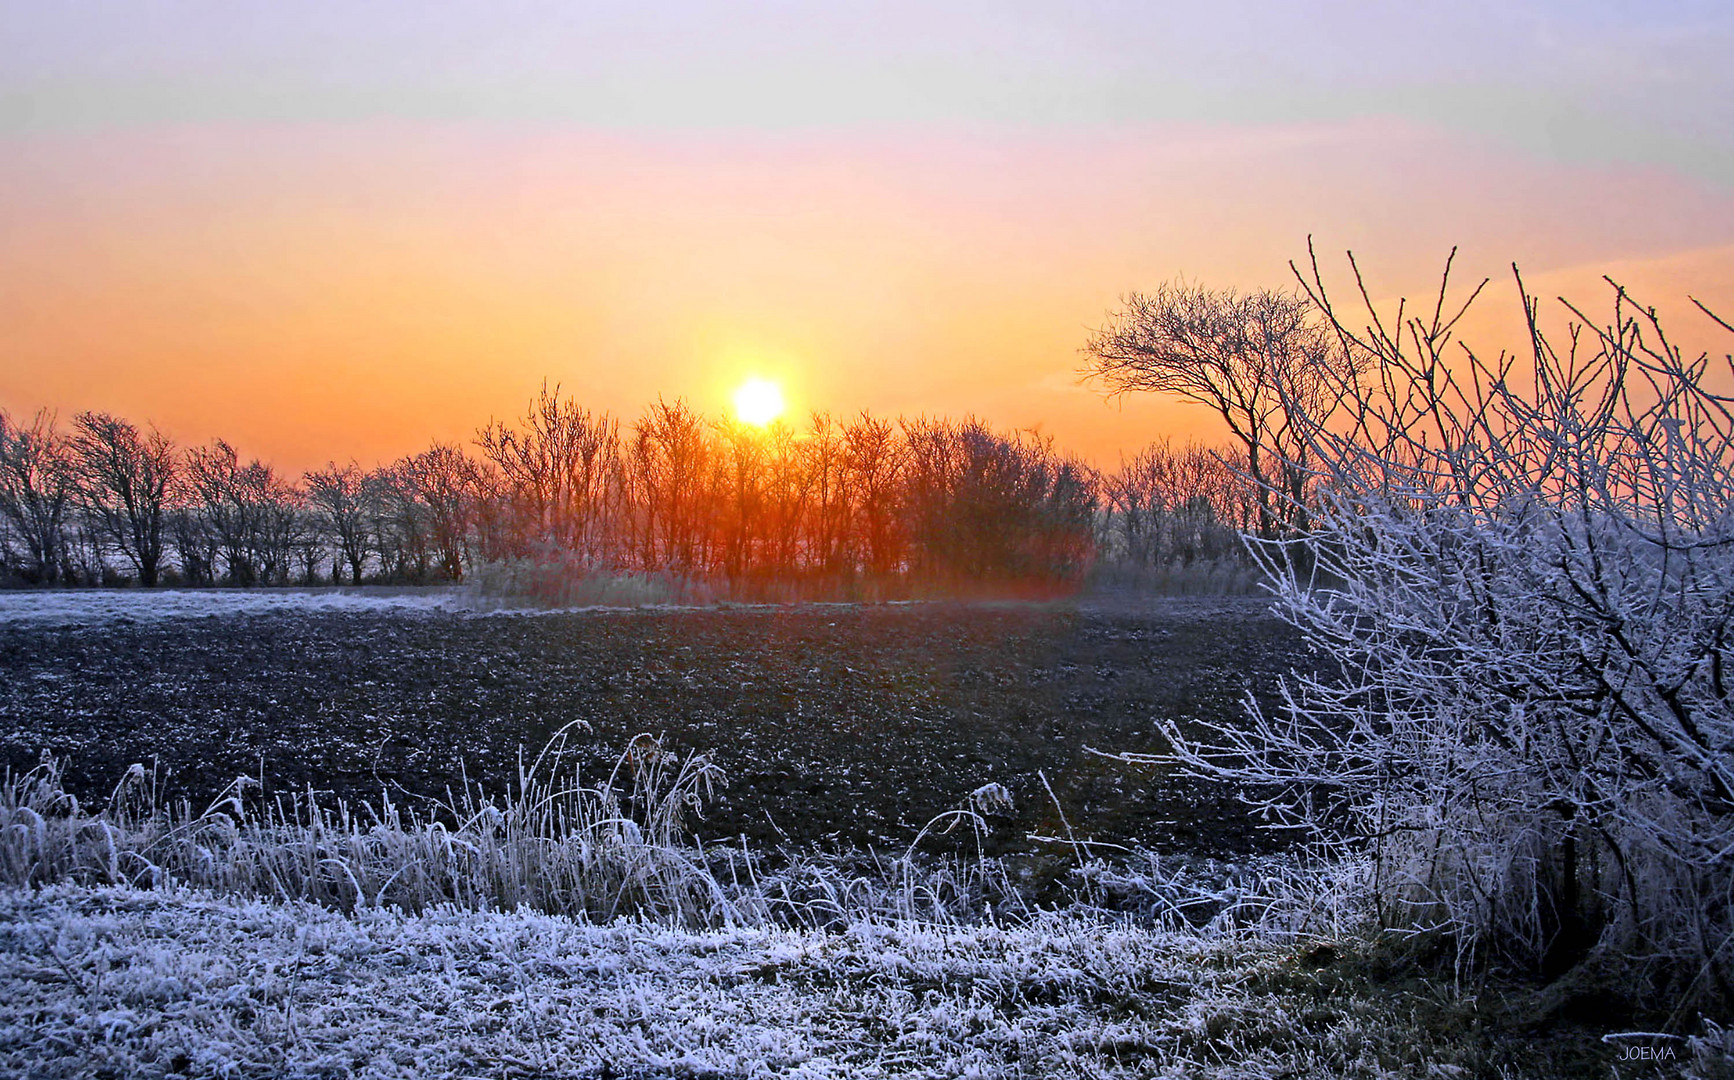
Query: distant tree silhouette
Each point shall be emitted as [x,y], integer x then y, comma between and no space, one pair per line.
[1168,506]
[249,512]
[127,479]
[788,489]
[874,459]
[443,481]
[984,506]
[669,473]
[560,472]
[399,523]
[37,485]
[826,521]
[337,495]
[1255,359]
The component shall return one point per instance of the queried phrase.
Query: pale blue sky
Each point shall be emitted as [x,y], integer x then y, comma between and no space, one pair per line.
[1593,82]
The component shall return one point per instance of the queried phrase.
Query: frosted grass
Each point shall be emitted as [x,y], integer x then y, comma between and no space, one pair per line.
[578,931]
[121,981]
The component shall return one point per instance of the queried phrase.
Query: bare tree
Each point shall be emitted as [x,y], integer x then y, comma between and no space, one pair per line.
[788,486]
[1175,506]
[249,510]
[982,506]
[443,480]
[127,480]
[36,493]
[338,496]
[286,530]
[827,518]
[1241,355]
[670,464]
[561,468]
[592,482]
[196,546]
[399,524]
[532,461]
[874,456]
[741,457]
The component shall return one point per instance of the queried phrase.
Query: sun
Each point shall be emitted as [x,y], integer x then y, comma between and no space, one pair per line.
[759,401]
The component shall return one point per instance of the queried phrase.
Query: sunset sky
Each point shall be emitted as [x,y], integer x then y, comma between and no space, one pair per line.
[334,230]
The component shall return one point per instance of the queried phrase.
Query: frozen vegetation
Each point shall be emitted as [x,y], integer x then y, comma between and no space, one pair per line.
[578,931]
[575,930]
[127,982]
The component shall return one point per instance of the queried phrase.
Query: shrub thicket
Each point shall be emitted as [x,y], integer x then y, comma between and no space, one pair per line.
[1525,565]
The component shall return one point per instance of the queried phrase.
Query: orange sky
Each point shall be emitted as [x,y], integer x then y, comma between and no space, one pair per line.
[316,290]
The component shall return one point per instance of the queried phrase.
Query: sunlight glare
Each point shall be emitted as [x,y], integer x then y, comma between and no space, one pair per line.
[759,401]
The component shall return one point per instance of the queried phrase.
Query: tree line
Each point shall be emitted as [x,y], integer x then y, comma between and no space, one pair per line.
[944,502]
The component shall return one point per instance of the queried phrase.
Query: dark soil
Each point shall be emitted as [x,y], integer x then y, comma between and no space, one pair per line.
[837,726]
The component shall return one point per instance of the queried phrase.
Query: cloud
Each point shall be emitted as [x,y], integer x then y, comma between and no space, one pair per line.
[1595,82]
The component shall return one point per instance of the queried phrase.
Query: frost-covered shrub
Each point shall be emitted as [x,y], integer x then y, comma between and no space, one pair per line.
[1525,566]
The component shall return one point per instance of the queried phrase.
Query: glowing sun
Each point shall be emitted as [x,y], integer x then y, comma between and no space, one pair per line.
[759,401]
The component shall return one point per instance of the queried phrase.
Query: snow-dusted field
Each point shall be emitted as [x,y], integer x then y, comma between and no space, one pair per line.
[120,982]
[27,607]
[95,607]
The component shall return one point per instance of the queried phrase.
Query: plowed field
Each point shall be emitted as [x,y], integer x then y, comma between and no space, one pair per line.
[841,726]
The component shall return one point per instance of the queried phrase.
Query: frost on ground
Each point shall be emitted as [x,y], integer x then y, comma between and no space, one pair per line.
[98,607]
[114,981]
[35,607]
[123,982]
